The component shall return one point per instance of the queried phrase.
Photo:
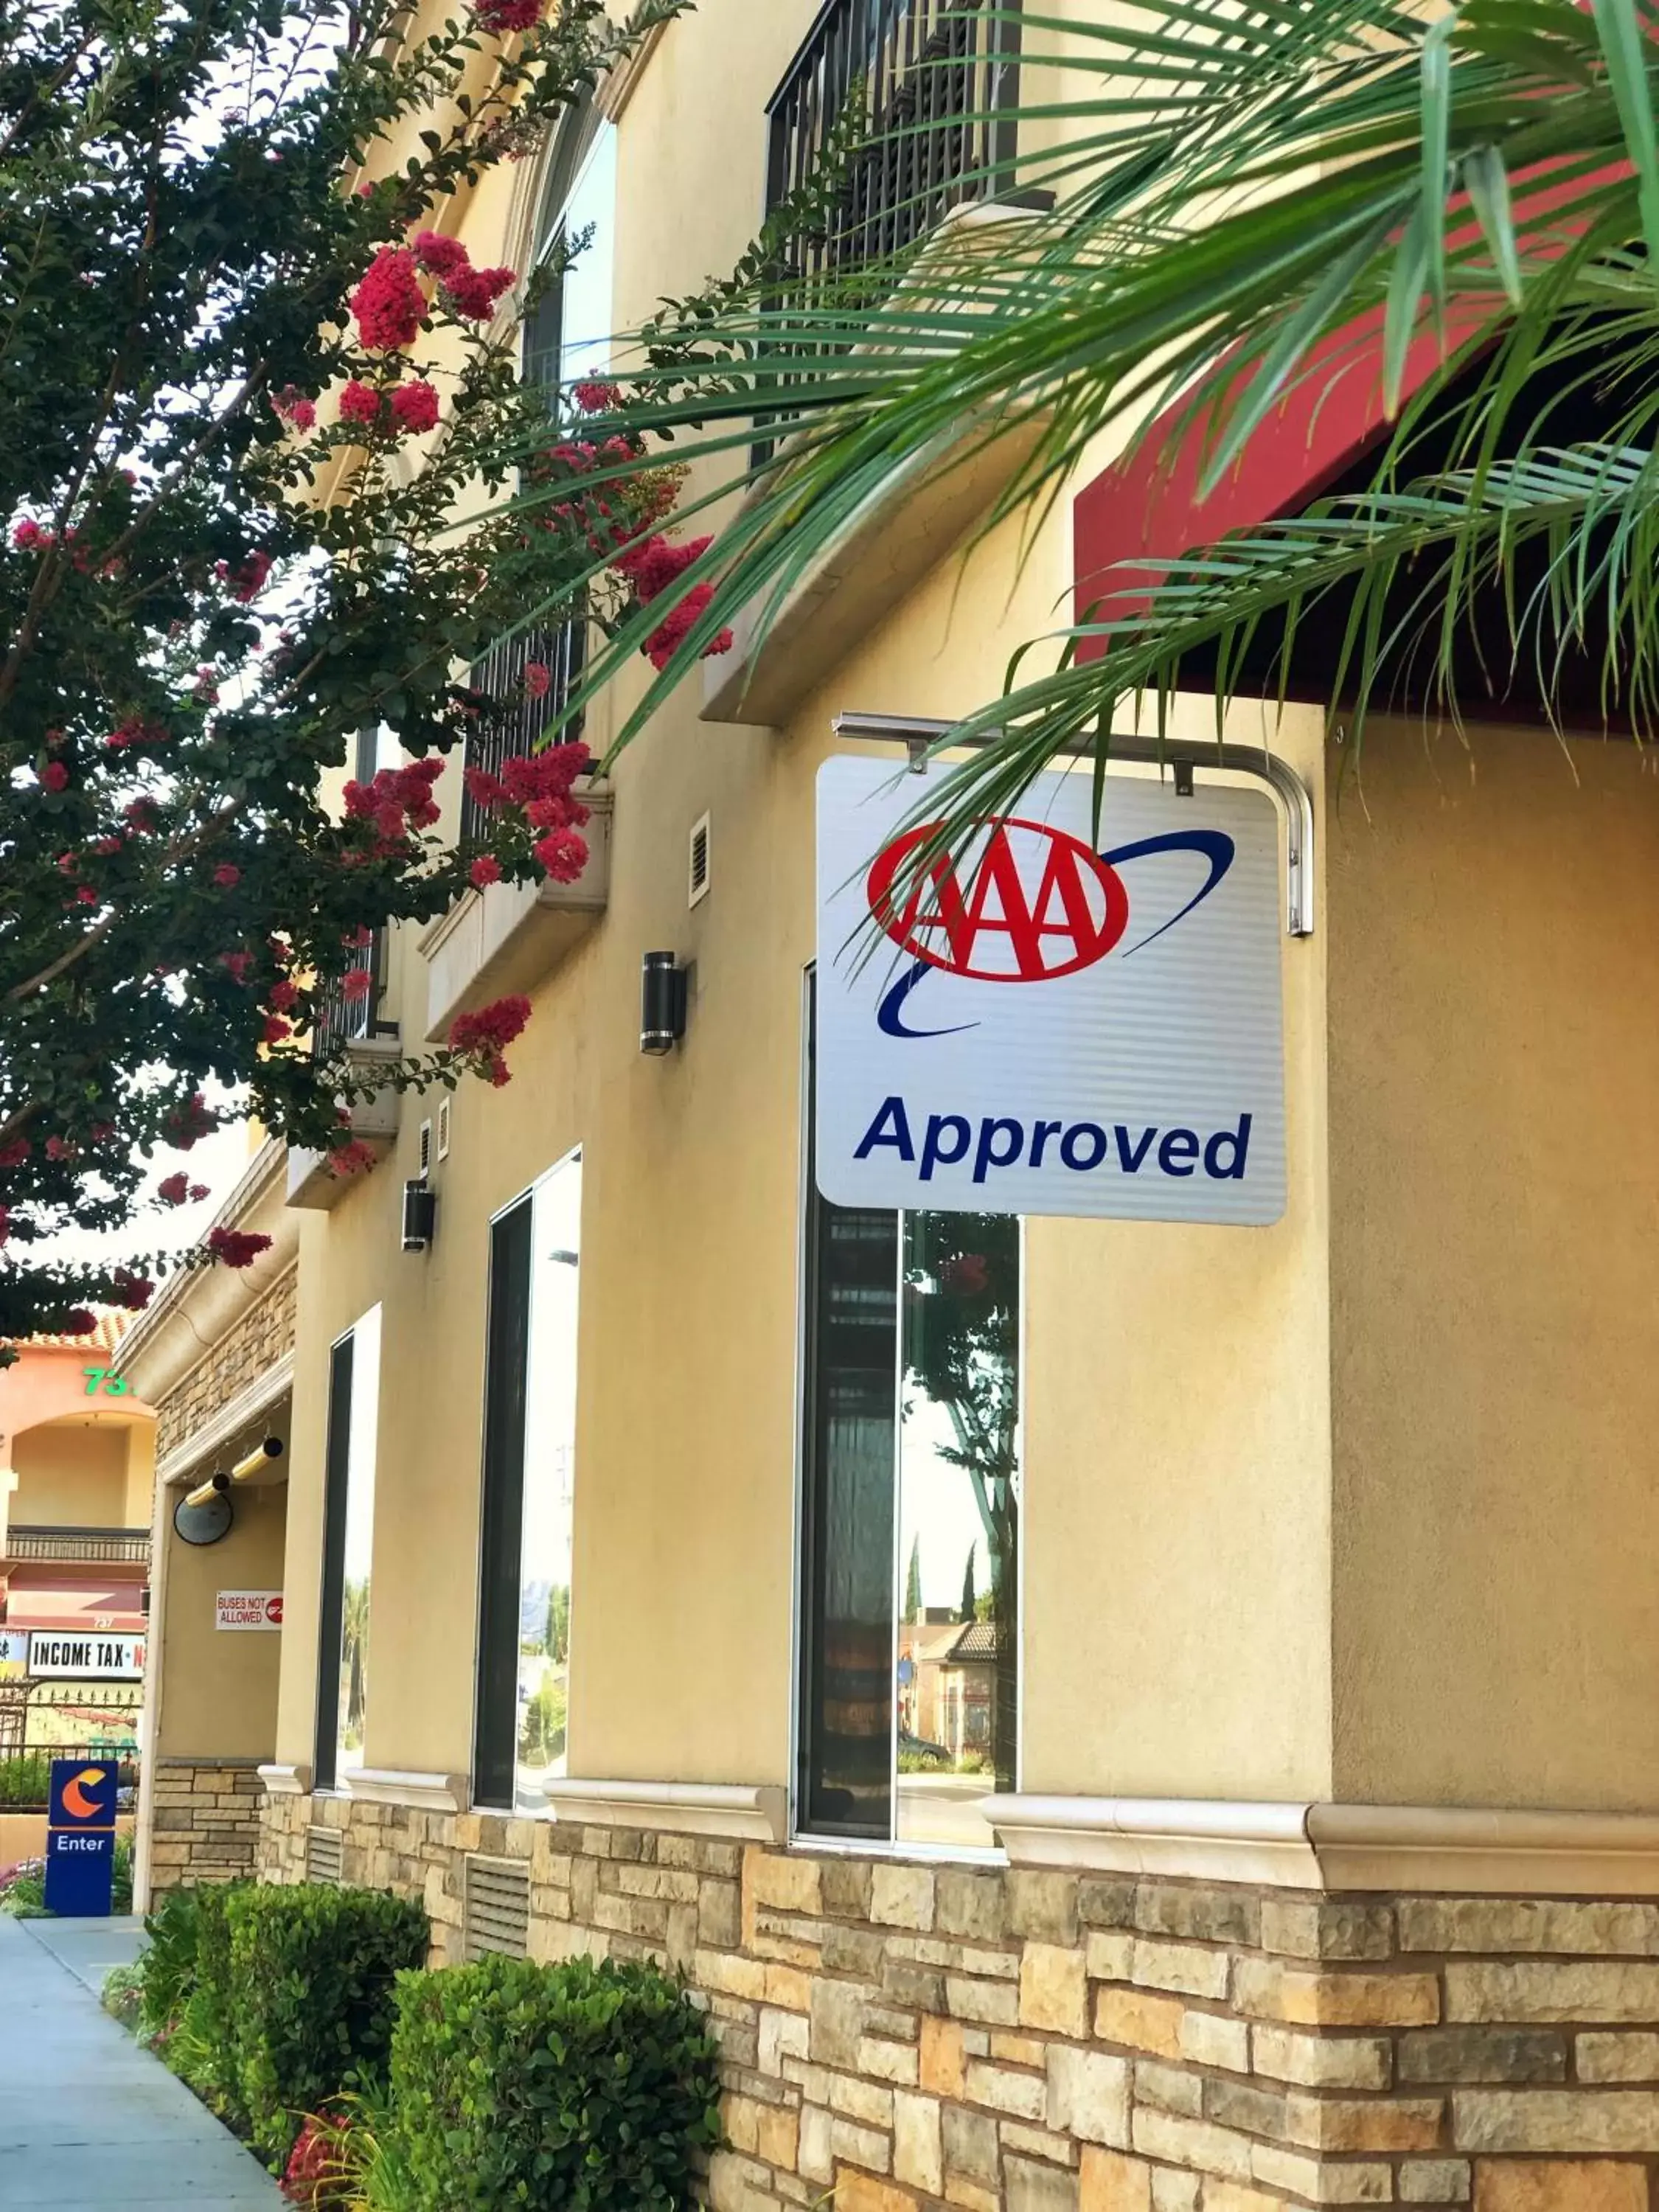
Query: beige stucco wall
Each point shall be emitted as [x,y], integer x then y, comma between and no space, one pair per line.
[1356,1505]
[1176,1555]
[73,1473]
[219,1686]
[1495,1237]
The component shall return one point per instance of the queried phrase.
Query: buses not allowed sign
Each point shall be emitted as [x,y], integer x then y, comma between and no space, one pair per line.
[248,1609]
[1056,1020]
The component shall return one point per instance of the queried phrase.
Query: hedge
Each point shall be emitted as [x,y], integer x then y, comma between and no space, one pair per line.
[313,1970]
[577,2086]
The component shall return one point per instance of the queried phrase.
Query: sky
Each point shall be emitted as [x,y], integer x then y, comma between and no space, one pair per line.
[218,1160]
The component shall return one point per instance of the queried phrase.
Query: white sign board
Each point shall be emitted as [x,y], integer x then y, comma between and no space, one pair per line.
[1054,1024]
[90,1657]
[248,1609]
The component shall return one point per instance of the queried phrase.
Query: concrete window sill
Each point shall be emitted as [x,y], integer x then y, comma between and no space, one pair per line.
[510,937]
[310,1181]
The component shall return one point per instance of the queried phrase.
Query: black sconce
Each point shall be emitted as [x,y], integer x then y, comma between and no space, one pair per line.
[420,1214]
[662,1003]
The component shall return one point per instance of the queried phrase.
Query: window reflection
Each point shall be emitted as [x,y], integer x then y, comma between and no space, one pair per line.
[352,1710]
[958,1633]
[549,1461]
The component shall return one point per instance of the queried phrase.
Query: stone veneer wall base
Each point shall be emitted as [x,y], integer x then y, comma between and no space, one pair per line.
[903,2036]
[204,1822]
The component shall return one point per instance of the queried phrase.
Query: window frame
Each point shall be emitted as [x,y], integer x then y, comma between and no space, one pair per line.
[331,1622]
[524,1200]
[800,1836]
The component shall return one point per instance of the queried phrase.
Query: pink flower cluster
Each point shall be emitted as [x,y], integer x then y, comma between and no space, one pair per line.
[650,568]
[500,17]
[413,405]
[236,1247]
[484,1036]
[189,1122]
[468,292]
[174,1190]
[388,303]
[540,784]
[291,406]
[398,801]
[135,730]
[247,578]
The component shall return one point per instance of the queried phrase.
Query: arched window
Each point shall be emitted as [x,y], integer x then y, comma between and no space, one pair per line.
[567,334]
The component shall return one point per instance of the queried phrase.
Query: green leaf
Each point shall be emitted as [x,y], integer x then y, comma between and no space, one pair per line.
[1488,183]
[1626,46]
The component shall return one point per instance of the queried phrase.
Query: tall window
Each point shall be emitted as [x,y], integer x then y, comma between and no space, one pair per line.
[530,1438]
[567,333]
[354,1387]
[910,1525]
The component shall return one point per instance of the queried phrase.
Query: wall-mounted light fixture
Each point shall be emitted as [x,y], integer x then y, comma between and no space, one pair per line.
[662,1002]
[254,1462]
[420,1214]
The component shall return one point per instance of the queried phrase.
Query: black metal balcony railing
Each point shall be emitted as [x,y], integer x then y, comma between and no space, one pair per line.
[349,1014]
[38,1542]
[513,723]
[936,80]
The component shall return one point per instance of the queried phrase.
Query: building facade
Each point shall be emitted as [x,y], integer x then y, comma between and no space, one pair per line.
[216,1352]
[1237,1785]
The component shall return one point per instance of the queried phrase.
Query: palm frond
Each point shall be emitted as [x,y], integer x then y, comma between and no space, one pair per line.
[1244,201]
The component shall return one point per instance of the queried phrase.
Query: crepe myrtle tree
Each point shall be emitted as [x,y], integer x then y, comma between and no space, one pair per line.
[247,380]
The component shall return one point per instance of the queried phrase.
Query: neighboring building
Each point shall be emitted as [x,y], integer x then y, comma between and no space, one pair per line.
[215,1353]
[1311,1855]
[76,1463]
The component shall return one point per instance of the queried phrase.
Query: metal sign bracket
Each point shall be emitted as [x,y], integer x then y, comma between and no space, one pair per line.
[1294,800]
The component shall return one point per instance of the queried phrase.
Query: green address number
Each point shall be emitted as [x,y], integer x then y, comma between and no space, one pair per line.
[112,1386]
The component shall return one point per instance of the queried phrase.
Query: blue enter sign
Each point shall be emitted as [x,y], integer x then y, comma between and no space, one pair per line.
[80,1872]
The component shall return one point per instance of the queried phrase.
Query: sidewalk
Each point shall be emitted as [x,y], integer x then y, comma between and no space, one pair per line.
[86,2117]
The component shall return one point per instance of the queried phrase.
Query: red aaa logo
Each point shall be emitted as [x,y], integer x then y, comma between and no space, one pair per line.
[992,927]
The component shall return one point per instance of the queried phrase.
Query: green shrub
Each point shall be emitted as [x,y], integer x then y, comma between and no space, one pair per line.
[313,1969]
[25,1779]
[212,2005]
[23,1893]
[123,1994]
[168,1965]
[120,1886]
[573,2088]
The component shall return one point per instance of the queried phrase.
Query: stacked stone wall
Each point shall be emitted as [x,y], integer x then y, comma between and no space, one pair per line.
[204,1822]
[906,2036]
[264,1336]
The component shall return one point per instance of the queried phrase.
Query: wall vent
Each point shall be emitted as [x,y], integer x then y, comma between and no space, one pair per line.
[495,1907]
[325,1854]
[425,1169]
[444,1105]
[696,862]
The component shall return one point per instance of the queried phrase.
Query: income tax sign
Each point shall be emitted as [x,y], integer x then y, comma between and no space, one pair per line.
[1050,1021]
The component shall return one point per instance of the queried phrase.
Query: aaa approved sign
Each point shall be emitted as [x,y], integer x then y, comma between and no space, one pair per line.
[248,1609]
[1052,1022]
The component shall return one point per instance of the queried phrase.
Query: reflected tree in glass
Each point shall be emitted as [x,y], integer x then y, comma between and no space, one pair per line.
[961,1355]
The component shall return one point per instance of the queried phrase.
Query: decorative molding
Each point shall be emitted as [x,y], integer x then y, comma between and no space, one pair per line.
[753,1815]
[286,1781]
[254,1399]
[166,1342]
[209,1758]
[1323,1846]
[390,1785]
[618,85]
